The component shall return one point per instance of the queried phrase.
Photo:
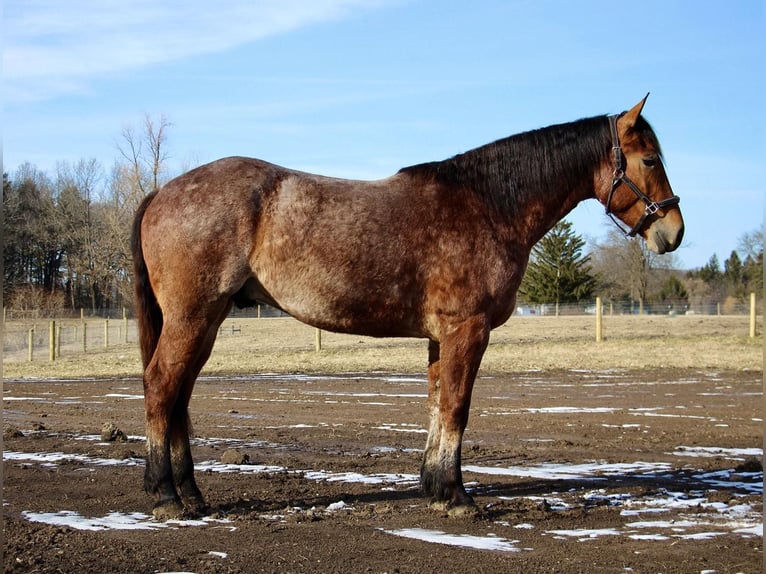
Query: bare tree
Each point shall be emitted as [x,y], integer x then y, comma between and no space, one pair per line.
[144,169]
[78,186]
[69,237]
[629,270]
[751,244]
[32,253]
[145,153]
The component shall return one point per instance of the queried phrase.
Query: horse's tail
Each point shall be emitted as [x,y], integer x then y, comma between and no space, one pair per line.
[148,312]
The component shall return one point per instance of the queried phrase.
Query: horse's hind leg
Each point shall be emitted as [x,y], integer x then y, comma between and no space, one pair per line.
[180,429]
[182,350]
[180,453]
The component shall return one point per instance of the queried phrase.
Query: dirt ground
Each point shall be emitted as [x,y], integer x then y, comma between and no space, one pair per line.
[574,471]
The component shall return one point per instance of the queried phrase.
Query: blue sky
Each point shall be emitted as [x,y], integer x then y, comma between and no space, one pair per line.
[360,88]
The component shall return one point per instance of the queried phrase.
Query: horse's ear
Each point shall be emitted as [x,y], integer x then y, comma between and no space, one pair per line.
[629,118]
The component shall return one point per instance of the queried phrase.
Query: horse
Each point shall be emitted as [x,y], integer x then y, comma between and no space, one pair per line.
[436,251]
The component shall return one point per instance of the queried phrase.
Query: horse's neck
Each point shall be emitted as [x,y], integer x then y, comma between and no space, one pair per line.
[537,194]
[552,208]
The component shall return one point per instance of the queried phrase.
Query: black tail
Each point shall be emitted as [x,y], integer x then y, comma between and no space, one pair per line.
[148,312]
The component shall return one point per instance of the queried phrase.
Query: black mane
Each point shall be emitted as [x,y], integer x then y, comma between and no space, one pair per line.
[548,160]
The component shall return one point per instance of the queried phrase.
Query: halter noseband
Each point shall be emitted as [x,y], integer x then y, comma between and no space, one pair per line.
[619,176]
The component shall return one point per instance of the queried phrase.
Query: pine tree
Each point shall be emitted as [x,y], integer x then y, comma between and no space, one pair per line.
[733,275]
[558,272]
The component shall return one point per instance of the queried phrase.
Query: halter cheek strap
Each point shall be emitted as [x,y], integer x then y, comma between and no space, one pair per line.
[619,177]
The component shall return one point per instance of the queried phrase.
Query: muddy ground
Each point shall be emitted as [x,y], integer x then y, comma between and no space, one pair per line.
[588,471]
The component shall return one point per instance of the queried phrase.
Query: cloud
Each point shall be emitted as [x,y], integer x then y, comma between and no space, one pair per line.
[54,48]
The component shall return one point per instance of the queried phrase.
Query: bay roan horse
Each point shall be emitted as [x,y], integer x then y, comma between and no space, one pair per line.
[436,251]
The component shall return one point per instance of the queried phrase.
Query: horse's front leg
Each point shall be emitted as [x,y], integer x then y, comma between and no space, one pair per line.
[428,476]
[451,378]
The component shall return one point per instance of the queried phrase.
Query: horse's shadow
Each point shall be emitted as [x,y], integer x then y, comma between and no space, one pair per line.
[318,501]
[519,495]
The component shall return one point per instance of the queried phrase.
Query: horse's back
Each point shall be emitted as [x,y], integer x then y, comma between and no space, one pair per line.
[371,257]
[241,227]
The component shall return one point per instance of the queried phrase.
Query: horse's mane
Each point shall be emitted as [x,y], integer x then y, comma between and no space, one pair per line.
[550,160]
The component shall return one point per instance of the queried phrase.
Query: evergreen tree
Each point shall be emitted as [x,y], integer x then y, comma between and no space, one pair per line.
[711,271]
[752,274]
[732,273]
[673,293]
[558,272]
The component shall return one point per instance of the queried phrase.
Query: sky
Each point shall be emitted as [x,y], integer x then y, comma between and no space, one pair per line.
[361,88]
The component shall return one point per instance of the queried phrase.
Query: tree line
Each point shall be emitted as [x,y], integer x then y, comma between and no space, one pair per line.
[630,277]
[66,236]
[67,245]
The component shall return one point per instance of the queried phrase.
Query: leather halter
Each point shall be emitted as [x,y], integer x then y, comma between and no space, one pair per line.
[619,177]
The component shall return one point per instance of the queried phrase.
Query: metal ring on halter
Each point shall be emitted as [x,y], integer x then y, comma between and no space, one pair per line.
[619,177]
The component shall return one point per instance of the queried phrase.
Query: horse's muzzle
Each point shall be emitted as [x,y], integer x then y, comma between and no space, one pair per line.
[664,236]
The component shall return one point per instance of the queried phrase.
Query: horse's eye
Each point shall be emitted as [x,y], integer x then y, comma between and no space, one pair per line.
[650,161]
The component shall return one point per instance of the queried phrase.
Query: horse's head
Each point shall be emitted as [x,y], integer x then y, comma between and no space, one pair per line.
[639,194]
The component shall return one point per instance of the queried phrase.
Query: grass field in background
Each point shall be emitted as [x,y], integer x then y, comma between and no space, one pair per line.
[277,345]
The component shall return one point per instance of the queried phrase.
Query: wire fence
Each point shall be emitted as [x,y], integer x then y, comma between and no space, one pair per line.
[37,336]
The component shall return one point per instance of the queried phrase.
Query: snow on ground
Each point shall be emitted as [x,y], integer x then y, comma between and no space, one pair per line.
[645,514]
[740,519]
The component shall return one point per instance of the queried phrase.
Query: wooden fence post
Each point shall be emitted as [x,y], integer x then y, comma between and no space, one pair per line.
[599,320]
[106,333]
[752,315]
[52,341]
[31,343]
[84,337]
[318,340]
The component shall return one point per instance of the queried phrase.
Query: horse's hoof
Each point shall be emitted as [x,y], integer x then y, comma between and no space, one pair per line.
[439,505]
[195,506]
[168,511]
[459,510]
[463,510]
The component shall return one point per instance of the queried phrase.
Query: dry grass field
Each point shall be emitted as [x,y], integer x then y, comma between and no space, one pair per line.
[283,345]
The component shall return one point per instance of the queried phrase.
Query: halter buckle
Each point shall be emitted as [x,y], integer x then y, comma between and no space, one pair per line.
[652,208]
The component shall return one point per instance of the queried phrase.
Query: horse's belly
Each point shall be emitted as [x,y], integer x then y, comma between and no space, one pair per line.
[363,308]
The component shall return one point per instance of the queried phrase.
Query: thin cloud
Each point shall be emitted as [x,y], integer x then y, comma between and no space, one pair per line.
[54,48]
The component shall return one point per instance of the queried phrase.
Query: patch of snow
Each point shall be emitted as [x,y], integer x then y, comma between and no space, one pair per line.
[401,428]
[714,451]
[550,471]
[583,534]
[355,477]
[340,505]
[51,458]
[463,540]
[111,521]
